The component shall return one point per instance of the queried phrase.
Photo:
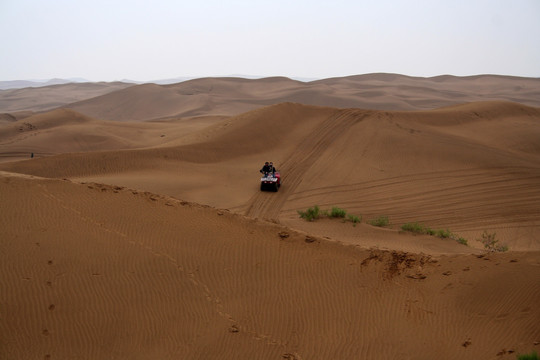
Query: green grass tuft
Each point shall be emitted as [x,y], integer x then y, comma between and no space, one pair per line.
[444,234]
[337,212]
[531,356]
[414,228]
[310,214]
[354,219]
[380,221]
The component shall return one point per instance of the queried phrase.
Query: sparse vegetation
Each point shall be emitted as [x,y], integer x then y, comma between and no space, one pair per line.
[531,356]
[491,244]
[418,228]
[315,212]
[310,214]
[337,212]
[414,228]
[380,221]
[444,234]
[354,219]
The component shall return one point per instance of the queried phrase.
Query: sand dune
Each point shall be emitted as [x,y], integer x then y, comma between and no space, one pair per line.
[66,131]
[93,270]
[105,250]
[233,96]
[53,96]
[470,168]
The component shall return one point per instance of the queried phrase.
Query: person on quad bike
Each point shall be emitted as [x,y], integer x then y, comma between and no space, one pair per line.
[272,168]
[266,168]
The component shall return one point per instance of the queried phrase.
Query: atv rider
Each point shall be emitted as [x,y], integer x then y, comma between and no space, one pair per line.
[267,168]
[272,169]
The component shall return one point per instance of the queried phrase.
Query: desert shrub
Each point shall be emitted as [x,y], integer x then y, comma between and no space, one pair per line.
[337,212]
[314,213]
[445,234]
[380,221]
[418,228]
[354,219]
[310,214]
[531,356]
[491,244]
[413,227]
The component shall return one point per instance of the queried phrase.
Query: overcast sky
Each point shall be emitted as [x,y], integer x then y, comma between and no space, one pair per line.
[150,40]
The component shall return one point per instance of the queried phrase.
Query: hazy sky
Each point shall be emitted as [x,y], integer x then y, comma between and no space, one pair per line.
[150,40]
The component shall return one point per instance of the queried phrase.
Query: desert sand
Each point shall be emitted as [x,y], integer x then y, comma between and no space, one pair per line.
[144,235]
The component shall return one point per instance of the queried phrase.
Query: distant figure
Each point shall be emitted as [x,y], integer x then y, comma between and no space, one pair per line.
[32,155]
[266,168]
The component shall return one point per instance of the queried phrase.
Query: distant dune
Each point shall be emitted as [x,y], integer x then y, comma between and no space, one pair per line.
[133,238]
[232,96]
[53,96]
[19,84]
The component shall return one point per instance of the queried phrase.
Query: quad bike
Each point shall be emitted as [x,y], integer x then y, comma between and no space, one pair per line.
[270,181]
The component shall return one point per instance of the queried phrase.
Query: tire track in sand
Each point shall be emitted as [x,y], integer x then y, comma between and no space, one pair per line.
[268,205]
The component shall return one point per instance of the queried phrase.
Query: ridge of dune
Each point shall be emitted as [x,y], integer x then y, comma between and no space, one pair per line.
[470,168]
[232,96]
[58,117]
[52,96]
[491,108]
[249,133]
[63,131]
[101,270]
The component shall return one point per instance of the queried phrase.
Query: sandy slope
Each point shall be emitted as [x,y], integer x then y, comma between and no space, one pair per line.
[468,168]
[96,271]
[136,269]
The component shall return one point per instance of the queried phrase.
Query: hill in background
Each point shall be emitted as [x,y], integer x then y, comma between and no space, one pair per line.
[232,96]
